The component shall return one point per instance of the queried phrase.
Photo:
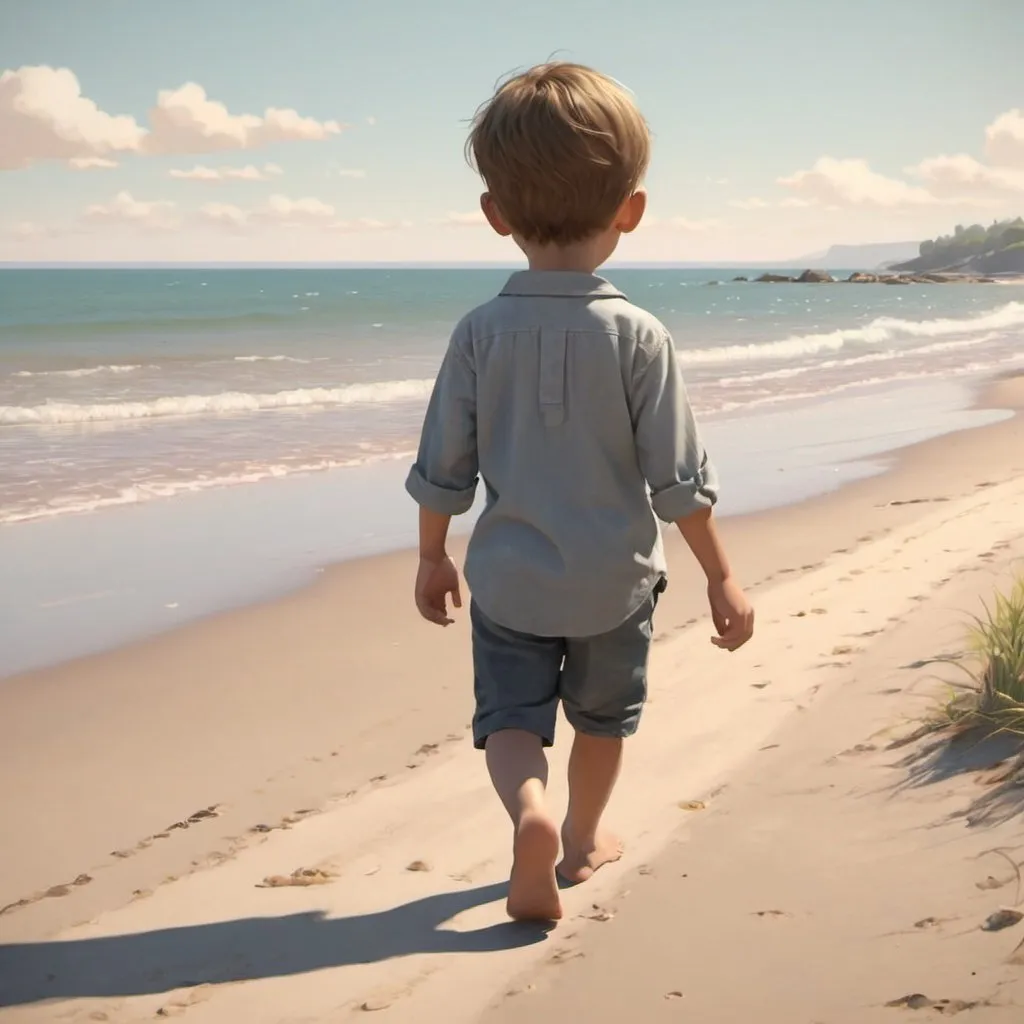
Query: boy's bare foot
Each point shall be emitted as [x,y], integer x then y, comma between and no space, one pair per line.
[579,862]
[533,888]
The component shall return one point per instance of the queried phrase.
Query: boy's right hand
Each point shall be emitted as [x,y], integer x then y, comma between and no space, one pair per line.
[435,580]
[731,613]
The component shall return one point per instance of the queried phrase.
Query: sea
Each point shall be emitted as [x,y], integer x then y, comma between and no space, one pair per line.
[127,395]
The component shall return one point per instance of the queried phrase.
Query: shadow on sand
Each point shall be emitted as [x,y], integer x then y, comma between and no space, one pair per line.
[150,963]
[996,757]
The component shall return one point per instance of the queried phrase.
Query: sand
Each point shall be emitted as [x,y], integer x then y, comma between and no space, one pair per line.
[339,770]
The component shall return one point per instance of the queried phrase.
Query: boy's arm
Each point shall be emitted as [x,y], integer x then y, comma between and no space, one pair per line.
[669,449]
[433,534]
[684,486]
[444,477]
[730,610]
[443,481]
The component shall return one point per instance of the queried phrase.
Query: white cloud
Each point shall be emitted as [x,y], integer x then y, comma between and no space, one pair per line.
[28,231]
[44,116]
[475,218]
[371,120]
[753,203]
[710,180]
[369,224]
[839,183]
[186,120]
[224,215]
[351,172]
[125,209]
[757,203]
[281,211]
[962,176]
[217,174]
[91,163]
[1004,140]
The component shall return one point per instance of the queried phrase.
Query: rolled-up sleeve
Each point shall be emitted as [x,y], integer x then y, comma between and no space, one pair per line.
[444,476]
[672,458]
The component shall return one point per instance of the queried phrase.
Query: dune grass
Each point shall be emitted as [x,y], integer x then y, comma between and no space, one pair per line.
[993,695]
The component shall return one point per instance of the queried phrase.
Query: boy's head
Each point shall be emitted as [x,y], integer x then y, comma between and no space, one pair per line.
[563,150]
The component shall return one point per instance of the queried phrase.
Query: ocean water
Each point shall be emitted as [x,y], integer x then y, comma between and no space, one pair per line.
[119,387]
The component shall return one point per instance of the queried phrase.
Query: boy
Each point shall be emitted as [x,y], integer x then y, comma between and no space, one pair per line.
[569,402]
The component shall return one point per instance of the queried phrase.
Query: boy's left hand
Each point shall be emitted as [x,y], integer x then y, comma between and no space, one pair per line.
[435,580]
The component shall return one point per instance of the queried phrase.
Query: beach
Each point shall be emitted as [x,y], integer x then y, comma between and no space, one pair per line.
[318,740]
[238,276]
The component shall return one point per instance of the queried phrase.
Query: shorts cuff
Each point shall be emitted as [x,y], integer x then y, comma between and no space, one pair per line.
[537,724]
[607,729]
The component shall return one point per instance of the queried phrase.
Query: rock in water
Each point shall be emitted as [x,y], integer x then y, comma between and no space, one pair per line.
[815,277]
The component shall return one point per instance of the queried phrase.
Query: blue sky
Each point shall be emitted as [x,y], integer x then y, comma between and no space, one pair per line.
[779,127]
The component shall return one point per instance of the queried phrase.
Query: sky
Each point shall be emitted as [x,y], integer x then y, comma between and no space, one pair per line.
[333,130]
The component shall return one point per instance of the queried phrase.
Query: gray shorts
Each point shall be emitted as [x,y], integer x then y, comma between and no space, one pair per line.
[601,680]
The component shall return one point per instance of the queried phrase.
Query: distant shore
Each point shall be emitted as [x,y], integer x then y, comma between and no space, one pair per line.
[811,276]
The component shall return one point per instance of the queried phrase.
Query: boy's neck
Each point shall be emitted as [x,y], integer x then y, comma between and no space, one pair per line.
[583,257]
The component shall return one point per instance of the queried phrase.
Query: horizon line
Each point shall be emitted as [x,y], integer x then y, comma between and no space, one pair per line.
[378,264]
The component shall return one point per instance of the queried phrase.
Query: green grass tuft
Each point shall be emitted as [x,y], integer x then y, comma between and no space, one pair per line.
[994,693]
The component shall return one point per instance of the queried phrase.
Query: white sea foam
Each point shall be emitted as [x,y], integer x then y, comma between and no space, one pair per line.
[270,359]
[380,392]
[149,491]
[978,370]
[877,332]
[84,371]
[788,372]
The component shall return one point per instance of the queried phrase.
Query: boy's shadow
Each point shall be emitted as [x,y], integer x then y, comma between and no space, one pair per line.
[148,963]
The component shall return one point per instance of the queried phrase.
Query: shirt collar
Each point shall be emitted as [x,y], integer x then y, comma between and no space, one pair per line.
[567,284]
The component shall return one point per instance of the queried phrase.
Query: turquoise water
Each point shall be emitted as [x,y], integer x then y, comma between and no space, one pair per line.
[124,386]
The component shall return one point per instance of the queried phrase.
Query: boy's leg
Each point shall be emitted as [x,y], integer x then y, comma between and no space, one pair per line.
[516,687]
[604,687]
[594,766]
[519,772]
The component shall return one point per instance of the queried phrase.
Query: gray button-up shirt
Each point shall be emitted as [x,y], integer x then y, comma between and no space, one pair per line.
[568,400]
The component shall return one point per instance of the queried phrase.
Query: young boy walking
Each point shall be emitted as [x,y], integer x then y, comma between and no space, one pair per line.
[568,401]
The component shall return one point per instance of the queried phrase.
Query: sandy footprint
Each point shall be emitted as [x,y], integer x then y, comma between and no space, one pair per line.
[299,877]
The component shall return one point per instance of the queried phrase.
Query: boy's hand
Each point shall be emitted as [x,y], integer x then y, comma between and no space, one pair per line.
[731,613]
[435,580]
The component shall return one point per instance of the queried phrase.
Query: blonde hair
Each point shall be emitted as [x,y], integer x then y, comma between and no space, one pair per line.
[561,147]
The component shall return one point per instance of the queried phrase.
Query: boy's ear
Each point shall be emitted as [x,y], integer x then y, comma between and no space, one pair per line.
[631,212]
[493,215]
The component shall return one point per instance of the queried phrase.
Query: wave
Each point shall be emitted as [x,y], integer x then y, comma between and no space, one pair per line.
[270,359]
[878,331]
[979,370]
[160,322]
[788,372]
[226,402]
[143,492]
[84,371]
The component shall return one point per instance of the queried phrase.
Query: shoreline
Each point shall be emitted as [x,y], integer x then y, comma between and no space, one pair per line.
[275,708]
[129,574]
[759,779]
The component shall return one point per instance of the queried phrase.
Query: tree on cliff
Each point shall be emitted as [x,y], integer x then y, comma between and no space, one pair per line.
[972,247]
